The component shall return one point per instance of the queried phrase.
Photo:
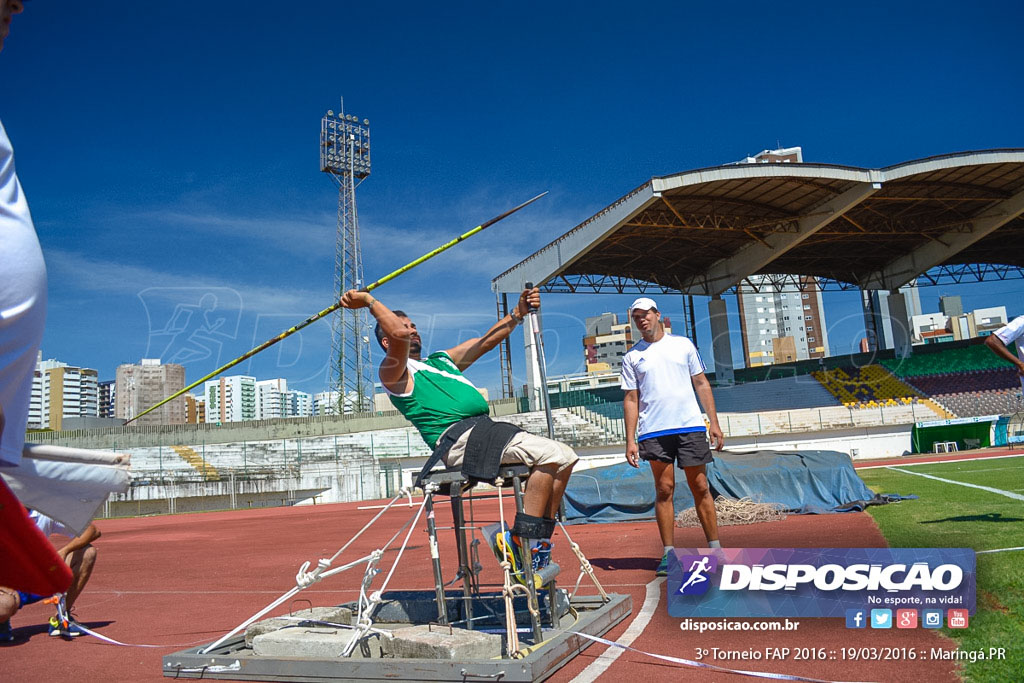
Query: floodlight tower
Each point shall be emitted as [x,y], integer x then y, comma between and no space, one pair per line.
[345,156]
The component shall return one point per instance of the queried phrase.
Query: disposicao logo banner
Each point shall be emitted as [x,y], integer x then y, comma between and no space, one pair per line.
[817,582]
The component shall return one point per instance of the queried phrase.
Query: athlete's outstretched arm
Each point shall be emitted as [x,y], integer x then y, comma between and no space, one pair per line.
[399,332]
[999,348]
[468,351]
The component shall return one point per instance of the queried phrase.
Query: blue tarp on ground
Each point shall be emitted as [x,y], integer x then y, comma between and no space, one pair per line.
[802,482]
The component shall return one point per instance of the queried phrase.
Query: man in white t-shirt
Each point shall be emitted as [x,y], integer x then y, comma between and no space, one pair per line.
[1000,340]
[663,376]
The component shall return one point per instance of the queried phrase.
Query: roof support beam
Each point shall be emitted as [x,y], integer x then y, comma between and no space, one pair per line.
[904,269]
[557,256]
[727,272]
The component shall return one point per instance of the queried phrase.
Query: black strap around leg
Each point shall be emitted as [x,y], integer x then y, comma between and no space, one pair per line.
[528,526]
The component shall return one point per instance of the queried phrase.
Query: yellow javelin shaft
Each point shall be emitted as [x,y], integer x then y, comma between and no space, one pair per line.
[330,309]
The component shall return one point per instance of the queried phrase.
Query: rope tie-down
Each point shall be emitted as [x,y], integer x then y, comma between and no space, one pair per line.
[304,578]
[367,606]
[370,599]
[585,567]
[508,588]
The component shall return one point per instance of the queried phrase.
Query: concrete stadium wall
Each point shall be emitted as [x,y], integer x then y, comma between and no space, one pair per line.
[311,486]
[861,443]
[236,432]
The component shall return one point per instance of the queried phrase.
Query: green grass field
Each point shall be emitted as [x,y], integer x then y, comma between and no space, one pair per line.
[949,515]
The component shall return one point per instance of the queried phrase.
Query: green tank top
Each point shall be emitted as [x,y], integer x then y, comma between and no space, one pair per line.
[440,397]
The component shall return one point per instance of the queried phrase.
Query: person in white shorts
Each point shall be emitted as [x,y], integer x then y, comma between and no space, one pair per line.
[1000,340]
[663,376]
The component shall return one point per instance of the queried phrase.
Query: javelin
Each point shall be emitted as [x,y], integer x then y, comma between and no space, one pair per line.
[330,309]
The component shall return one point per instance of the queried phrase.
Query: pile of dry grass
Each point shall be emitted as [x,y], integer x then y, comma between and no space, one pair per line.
[733,512]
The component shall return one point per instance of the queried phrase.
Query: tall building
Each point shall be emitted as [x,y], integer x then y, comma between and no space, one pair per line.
[274,399]
[607,341]
[61,391]
[230,399]
[270,400]
[325,403]
[877,319]
[298,404]
[106,391]
[195,409]
[951,306]
[138,387]
[781,327]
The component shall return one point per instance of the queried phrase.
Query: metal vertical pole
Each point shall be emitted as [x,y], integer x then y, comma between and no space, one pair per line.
[538,341]
[505,354]
[469,587]
[435,560]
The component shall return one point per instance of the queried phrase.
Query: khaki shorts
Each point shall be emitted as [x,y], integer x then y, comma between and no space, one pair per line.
[526,448]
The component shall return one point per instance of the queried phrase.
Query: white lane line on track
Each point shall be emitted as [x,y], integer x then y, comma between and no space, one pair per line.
[972,470]
[998,550]
[636,627]
[1008,494]
[938,462]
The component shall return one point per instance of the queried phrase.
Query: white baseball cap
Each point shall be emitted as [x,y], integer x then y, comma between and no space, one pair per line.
[643,303]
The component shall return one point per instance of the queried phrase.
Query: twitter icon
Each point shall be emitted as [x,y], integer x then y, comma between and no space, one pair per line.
[881,618]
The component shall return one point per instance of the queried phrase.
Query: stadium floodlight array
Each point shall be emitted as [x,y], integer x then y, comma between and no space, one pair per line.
[345,145]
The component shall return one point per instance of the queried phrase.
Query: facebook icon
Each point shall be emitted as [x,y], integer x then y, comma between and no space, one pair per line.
[856,618]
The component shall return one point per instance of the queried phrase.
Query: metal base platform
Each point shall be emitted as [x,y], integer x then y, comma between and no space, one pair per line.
[234,661]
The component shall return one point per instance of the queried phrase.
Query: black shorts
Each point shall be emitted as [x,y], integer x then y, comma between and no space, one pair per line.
[689,449]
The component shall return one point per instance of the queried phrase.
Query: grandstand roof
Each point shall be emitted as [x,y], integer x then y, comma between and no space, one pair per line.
[705,231]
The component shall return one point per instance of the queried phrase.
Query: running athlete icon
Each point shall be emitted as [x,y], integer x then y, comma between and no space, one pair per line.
[697,570]
[198,327]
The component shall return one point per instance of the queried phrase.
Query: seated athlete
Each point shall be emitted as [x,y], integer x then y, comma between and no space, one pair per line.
[80,555]
[451,416]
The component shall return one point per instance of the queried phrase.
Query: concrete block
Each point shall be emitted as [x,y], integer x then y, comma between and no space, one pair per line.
[318,642]
[335,615]
[313,642]
[438,642]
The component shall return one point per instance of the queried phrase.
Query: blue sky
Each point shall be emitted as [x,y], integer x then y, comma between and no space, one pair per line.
[169,150]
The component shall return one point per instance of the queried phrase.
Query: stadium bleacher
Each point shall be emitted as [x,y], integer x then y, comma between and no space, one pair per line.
[786,393]
[995,402]
[212,462]
[868,386]
[967,382]
[972,358]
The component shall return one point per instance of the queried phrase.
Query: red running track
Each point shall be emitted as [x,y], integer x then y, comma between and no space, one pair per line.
[182,580]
